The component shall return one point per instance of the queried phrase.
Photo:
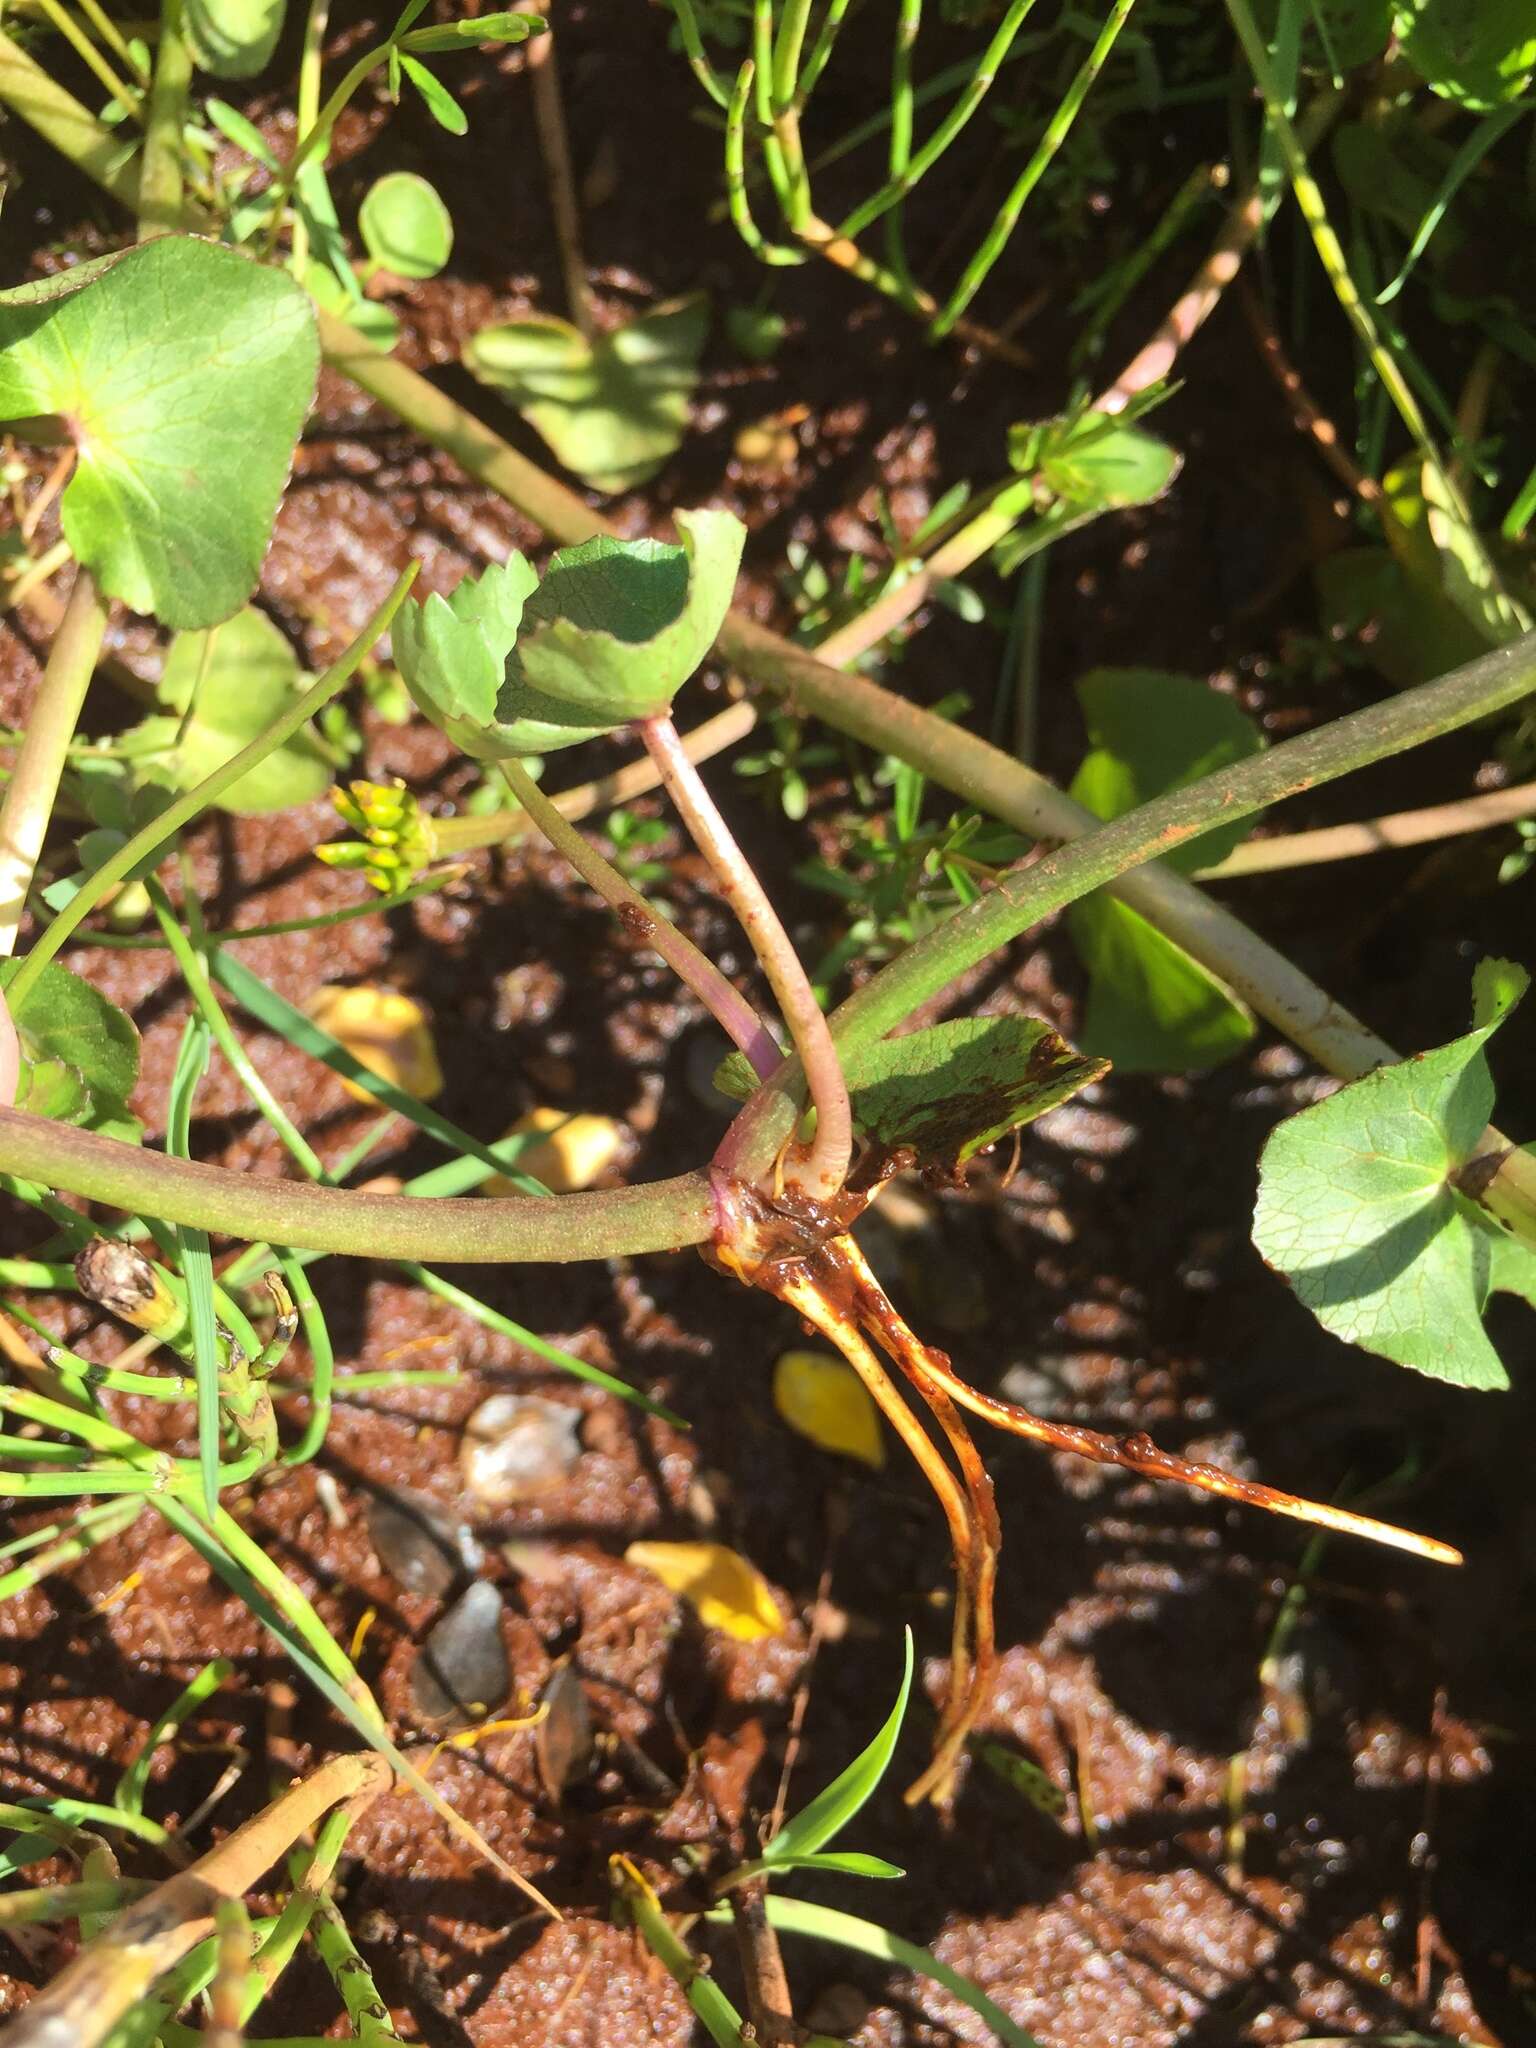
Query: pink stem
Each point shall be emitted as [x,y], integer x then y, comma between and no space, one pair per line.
[727,1005]
[827,1164]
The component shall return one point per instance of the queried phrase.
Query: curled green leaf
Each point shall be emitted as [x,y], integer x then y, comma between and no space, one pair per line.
[510,666]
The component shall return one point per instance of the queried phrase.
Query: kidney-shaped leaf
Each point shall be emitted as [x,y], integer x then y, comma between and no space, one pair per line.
[508,665]
[182,371]
[233,38]
[1358,1210]
[405,226]
[612,409]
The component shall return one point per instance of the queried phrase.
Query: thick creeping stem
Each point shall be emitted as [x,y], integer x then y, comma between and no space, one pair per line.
[799,1251]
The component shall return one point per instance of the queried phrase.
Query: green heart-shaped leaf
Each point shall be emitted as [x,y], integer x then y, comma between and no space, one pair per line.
[251,676]
[233,38]
[1358,1208]
[405,226]
[182,371]
[79,1052]
[511,666]
[612,409]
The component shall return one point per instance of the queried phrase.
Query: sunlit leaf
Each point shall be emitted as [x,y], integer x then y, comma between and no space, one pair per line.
[509,665]
[385,1031]
[825,1400]
[720,1585]
[405,226]
[233,38]
[830,1811]
[79,1053]
[951,1089]
[440,102]
[1358,1209]
[233,690]
[183,372]
[1478,53]
[1150,1005]
[612,409]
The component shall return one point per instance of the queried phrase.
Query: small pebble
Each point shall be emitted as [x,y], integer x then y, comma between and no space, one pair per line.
[420,1547]
[563,1744]
[516,1446]
[461,1674]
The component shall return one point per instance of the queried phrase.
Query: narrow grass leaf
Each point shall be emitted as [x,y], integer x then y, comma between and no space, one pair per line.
[831,1810]
[865,1938]
[196,1260]
[129,1796]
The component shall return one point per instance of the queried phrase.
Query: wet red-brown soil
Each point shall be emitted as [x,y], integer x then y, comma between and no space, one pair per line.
[1332,1843]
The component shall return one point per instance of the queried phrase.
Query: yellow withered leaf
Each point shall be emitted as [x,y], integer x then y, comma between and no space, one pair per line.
[825,1400]
[568,1153]
[726,1592]
[385,1031]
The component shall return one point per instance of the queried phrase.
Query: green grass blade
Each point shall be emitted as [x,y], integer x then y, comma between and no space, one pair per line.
[831,1810]
[493,1319]
[280,1016]
[129,1796]
[197,1260]
[864,1938]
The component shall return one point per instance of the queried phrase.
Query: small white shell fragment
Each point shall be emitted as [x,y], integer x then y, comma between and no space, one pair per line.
[516,1446]
[575,1152]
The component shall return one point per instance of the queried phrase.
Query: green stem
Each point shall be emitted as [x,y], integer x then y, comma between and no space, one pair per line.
[821,49]
[693,49]
[1026,895]
[896,189]
[1057,130]
[635,1900]
[34,783]
[680,1212]
[307,107]
[161,193]
[61,120]
[191,802]
[371,2024]
[194,972]
[823,1172]
[1331,255]
[730,1009]
[736,175]
[91,57]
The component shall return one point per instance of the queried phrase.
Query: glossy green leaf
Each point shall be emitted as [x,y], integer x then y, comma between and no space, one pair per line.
[509,665]
[1478,53]
[183,372]
[251,676]
[839,1863]
[612,409]
[831,1810]
[1358,1211]
[405,226]
[441,104]
[1151,1007]
[472,31]
[1097,462]
[233,38]
[1409,629]
[79,1053]
[953,1088]
[866,1938]
[1336,35]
